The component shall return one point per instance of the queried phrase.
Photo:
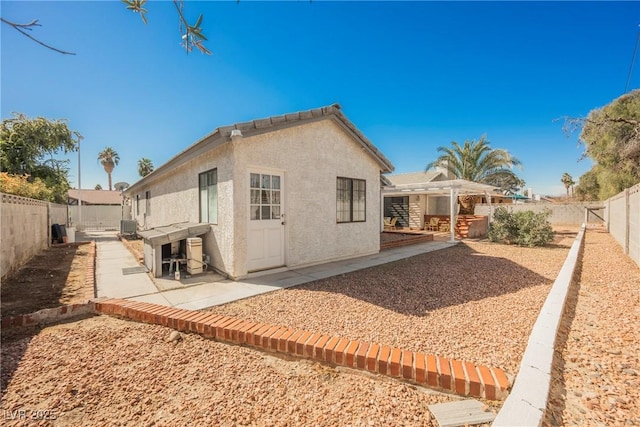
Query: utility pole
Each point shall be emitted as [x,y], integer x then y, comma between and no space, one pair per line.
[79,188]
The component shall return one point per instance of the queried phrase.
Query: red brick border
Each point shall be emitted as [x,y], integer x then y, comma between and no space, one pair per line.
[90,279]
[55,314]
[440,373]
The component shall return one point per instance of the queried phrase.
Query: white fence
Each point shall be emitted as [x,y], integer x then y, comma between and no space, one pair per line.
[97,218]
[25,229]
[622,215]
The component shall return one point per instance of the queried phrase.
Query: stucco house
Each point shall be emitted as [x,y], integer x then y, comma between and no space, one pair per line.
[286,191]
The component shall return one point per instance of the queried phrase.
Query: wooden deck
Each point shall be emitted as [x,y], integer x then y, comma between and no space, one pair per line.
[404,236]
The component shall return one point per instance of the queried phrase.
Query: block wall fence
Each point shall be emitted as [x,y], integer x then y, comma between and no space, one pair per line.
[25,229]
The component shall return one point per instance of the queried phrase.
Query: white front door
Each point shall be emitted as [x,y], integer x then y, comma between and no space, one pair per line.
[265,240]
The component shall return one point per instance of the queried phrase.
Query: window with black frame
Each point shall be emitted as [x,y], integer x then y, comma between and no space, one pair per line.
[351,200]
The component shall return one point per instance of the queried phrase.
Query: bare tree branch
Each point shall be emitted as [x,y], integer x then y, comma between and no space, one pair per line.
[21,27]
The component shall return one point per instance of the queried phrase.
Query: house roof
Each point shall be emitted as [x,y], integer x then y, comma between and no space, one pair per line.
[96,197]
[414,177]
[222,135]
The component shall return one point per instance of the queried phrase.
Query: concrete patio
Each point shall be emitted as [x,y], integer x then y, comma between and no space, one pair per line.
[113,280]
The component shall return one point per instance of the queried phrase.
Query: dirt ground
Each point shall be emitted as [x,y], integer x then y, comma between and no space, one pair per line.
[135,244]
[52,278]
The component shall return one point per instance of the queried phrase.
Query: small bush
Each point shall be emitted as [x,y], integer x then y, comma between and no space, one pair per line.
[525,228]
[19,185]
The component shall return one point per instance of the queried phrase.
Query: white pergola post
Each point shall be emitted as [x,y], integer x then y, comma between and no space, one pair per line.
[452,215]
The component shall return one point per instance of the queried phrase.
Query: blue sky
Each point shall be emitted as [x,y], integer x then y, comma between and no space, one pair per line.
[412,76]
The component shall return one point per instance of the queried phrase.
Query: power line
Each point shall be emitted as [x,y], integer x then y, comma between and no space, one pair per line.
[633,60]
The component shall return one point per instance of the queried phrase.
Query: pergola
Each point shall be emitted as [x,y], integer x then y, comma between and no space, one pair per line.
[452,188]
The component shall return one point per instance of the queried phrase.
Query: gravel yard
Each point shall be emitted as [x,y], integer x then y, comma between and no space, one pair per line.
[597,365]
[105,371]
[476,301]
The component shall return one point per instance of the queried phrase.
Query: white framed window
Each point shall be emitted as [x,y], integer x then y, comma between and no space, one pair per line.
[351,200]
[265,198]
[208,184]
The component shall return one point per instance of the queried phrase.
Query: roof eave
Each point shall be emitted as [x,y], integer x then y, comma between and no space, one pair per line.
[222,135]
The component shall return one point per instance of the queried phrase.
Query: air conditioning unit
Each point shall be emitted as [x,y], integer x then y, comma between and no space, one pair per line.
[194,255]
[128,226]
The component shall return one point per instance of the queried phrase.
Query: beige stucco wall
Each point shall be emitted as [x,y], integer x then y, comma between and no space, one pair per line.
[311,156]
[175,198]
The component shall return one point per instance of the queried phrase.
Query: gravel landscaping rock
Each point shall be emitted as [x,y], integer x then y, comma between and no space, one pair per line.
[476,302]
[105,371]
[595,379]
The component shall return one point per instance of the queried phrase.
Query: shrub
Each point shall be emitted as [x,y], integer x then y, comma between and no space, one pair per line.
[19,185]
[525,228]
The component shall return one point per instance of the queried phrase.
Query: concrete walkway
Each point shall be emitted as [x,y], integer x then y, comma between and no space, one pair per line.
[111,281]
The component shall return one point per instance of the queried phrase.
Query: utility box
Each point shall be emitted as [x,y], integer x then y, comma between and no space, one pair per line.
[194,255]
[128,226]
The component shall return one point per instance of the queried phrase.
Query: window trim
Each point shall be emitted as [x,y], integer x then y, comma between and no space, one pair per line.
[351,199]
[200,197]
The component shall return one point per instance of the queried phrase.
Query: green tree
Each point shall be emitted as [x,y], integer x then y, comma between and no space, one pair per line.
[567,181]
[588,187]
[109,159]
[98,187]
[611,137]
[29,146]
[145,167]
[476,161]
[509,183]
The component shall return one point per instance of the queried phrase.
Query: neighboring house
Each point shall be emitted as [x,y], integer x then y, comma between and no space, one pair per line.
[410,209]
[415,197]
[99,210]
[95,197]
[285,191]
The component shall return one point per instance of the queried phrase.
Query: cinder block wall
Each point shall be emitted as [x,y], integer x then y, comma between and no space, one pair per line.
[24,231]
[561,213]
[622,213]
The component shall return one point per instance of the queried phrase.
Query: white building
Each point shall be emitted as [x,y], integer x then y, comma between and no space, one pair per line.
[285,191]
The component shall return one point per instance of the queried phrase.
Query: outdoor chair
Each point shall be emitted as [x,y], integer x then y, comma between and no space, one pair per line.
[433,224]
[390,223]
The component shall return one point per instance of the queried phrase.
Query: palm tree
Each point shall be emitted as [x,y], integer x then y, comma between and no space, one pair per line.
[109,159]
[145,167]
[568,181]
[476,161]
